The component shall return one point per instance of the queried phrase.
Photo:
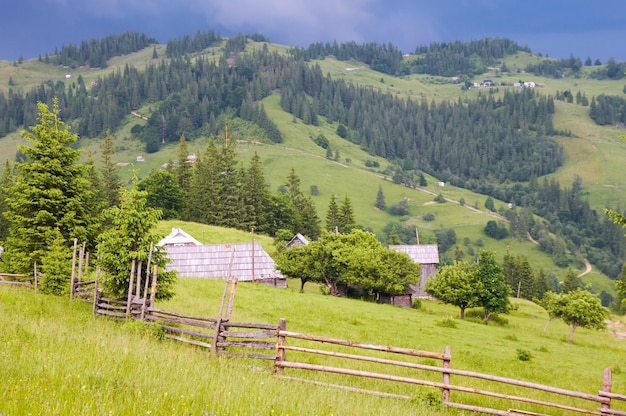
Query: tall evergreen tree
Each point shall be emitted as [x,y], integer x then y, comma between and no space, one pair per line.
[256,197]
[229,180]
[183,169]
[571,282]
[6,181]
[203,204]
[306,220]
[110,179]
[346,215]
[50,193]
[380,199]
[332,215]
[129,237]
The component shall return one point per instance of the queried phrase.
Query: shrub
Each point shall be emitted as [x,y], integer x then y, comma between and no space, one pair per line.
[417,303]
[447,323]
[523,355]
[429,216]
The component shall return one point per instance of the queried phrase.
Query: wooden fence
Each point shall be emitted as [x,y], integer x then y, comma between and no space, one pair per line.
[498,389]
[15,279]
[367,368]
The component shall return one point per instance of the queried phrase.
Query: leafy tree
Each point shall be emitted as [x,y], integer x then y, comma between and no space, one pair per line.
[494,298]
[164,193]
[342,131]
[356,260]
[457,285]
[422,180]
[489,204]
[50,193]
[578,308]
[400,209]
[129,238]
[295,262]
[495,230]
[380,199]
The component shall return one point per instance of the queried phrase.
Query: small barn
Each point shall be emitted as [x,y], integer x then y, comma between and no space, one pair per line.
[427,256]
[404,300]
[247,262]
[298,240]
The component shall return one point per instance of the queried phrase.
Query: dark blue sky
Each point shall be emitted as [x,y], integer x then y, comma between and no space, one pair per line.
[554,27]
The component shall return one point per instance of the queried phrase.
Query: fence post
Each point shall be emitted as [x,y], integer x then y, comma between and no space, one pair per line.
[96,297]
[446,376]
[280,352]
[73,268]
[35,276]
[606,386]
[154,285]
[130,288]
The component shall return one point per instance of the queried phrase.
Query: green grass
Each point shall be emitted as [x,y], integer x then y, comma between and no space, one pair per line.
[59,359]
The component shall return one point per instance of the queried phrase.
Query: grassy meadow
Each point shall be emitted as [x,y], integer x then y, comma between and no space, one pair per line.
[60,359]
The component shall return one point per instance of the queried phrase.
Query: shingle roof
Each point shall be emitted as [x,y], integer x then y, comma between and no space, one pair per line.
[222,261]
[422,254]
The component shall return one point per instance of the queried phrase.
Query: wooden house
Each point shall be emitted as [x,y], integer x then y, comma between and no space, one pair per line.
[427,256]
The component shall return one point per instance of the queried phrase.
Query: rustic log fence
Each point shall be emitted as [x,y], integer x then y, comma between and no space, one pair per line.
[566,401]
[309,356]
[16,279]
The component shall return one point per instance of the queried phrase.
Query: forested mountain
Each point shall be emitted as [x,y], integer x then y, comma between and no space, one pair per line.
[497,144]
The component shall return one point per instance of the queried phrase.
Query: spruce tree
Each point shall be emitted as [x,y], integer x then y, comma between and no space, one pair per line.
[256,196]
[571,282]
[346,215]
[111,182]
[332,215]
[50,193]
[183,169]
[6,181]
[129,237]
[380,199]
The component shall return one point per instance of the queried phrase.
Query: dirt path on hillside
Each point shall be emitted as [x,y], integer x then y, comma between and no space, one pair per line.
[617,329]
[587,268]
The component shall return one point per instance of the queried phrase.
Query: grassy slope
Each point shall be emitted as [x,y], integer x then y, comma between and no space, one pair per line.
[595,152]
[58,359]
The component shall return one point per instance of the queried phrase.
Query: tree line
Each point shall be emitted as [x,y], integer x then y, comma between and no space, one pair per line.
[95,53]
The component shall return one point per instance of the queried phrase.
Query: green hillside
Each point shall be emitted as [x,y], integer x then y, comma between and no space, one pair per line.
[593,152]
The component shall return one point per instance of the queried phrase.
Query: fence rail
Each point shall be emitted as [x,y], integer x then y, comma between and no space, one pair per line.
[558,398]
